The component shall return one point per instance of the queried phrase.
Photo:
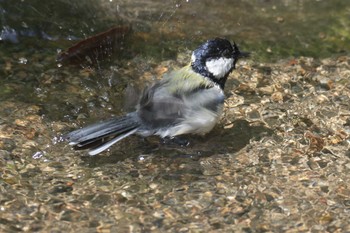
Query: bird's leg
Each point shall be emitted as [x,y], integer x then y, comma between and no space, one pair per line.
[176,141]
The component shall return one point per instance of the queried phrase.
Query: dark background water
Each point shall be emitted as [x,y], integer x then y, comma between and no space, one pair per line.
[271,29]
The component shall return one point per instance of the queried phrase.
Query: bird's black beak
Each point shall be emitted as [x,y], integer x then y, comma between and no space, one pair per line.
[243,54]
[239,54]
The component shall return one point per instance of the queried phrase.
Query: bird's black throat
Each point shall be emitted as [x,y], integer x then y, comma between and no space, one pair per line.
[200,68]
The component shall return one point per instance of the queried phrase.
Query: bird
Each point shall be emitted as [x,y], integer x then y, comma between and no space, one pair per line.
[185,101]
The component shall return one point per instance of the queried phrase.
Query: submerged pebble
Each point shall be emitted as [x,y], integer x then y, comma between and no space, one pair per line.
[278,161]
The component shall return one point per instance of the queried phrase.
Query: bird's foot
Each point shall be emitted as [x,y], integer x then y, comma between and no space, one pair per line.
[176,141]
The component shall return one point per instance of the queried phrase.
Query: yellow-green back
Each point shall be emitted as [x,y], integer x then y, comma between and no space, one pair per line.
[185,80]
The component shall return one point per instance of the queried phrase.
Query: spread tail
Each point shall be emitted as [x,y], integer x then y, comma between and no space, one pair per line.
[100,136]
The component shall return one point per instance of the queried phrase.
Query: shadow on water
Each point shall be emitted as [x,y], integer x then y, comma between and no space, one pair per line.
[219,141]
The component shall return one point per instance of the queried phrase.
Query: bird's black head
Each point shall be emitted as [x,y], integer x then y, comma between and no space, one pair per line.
[215,59]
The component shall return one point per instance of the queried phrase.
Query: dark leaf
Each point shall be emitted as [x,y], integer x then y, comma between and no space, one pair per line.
[91,51]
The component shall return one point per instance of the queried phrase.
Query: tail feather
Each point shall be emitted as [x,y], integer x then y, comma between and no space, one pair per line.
[96,141]
[97,130]
[100,136]
[106,145]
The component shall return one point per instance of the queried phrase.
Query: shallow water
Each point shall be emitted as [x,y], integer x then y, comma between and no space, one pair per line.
[278,160]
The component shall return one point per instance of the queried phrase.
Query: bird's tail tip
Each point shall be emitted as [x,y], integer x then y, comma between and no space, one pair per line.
[100,136]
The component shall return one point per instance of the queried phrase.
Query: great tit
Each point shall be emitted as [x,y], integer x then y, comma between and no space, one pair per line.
[186,101]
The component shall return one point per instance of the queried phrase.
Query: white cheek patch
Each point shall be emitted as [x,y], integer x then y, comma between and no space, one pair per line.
[193,58]
[219,67]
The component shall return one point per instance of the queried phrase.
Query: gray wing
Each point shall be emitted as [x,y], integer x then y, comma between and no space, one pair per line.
[158,107]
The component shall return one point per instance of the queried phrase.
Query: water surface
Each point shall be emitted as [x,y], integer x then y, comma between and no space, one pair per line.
[277,161]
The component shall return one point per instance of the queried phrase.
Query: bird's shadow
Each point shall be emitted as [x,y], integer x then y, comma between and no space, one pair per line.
[219,141]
